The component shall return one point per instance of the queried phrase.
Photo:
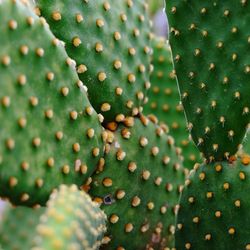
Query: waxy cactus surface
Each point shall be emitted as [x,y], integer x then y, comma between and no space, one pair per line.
[139,186]
[214,208]
[110,42]
[164,100]
[50,133]
[71,221]
[210,40]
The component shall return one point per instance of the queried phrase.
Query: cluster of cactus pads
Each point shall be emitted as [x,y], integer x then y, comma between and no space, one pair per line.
[101,122]
[210,40]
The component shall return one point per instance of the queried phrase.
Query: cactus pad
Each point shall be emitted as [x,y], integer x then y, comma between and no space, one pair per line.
[139,186]
[210,40]
[111,45]
[17,228]
[71,221]
[164,101]
[50,133]
[214,208]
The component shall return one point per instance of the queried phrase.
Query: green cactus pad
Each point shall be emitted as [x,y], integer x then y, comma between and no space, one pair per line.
[110,41]
[246,143]
[50,133]
[71,221]
[164,101]
[139,186]
[214,208]
[17,227]
[210,40]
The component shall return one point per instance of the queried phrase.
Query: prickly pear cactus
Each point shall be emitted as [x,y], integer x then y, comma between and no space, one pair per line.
[139,186]
[51,134]
[214,208]
[17,227]
[164,100]
[210,40]
[246,143]
[110,42]
[71,221]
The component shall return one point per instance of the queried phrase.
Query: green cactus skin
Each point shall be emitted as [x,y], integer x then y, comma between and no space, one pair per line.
[50,134]
[71,221]
[210,40]
[17,227]
[164,100]
[246,143]
[214,208]
[139,186]
[110,41]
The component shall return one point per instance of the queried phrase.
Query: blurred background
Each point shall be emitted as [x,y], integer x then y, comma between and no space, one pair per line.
[159,18]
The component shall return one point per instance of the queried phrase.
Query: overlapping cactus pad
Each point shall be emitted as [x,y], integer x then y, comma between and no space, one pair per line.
[210,40]
[50,134]
[164,100]
[214,208]
[110,42]
[17,227]
[139,186]
[71,221]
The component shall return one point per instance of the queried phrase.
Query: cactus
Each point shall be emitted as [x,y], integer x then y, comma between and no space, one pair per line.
[139,186]
[246,143]
[51,134]
[71,221]
[111,46]
[213,72]
[209,42]
[17,228]
[214,208]
[164,100]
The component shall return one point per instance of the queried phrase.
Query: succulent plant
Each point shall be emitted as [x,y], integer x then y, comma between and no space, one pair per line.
[164,100]
[17,227]
[246,143]
[214,207]
[213,75]
[209,42]
[139,186]
[56,157]
[71,221]
[111,46]
[44,111]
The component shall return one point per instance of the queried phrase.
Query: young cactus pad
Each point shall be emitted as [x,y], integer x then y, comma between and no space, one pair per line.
[17,227]
[110,41]
[139,186]
[71,221]
[214,208]
[50,134]
[210,40]
[164,100]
